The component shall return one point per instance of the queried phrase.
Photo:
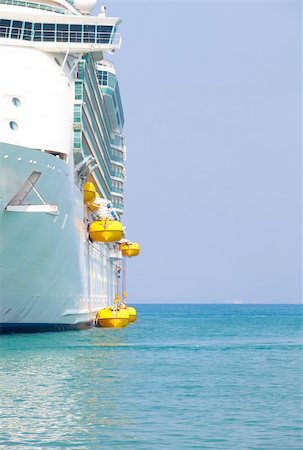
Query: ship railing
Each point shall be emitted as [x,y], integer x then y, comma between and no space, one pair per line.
[118,175]
[72,37]
[104,64]
[117,140]
[117,205]
[36,6]
[116,190]
[88,133]
[116,158]
[96,127]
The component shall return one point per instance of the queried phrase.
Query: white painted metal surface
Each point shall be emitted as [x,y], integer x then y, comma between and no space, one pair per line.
[49,271]
[47,266]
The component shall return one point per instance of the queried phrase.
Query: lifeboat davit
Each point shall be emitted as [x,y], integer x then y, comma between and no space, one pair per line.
[105,230]
[89,192]
[112,318]
[130,249]
[95,204]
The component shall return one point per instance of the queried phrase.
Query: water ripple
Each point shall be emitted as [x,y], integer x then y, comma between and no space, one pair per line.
[221,383]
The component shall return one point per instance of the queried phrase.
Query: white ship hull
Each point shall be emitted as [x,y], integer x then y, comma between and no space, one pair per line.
[51,277]
[56,129]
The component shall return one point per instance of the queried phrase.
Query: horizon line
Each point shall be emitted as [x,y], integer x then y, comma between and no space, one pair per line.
[215,303]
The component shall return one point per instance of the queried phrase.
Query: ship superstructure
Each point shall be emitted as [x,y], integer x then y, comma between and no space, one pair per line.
[61,121]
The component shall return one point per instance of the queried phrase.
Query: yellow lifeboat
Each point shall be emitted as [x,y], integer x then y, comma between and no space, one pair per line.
[89,192]
[95,204]
[130,309]
[132,313]
[112,318]
[130,249]
[105,230]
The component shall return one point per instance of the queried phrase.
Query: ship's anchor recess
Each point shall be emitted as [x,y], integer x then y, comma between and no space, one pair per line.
[16,203]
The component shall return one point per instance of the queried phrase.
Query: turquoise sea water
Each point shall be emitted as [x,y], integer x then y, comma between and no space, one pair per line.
[182,377]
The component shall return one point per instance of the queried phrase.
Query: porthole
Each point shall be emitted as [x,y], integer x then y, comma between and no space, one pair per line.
[13,125]
[16,101]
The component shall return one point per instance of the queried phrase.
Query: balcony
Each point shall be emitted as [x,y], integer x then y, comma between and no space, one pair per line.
[116,158]
[119,175]
[118,205]
[116,190]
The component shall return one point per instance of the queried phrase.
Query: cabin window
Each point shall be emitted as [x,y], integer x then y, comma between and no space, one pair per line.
[76,33]
[103,34]
[16,29]
[89,33]
[16,101]
[37,32]
[4,28]
[27,32]
[49,32]
[102,77]
[13,125]
[62,33]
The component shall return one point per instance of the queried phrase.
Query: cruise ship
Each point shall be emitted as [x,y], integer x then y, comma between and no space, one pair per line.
[61,124]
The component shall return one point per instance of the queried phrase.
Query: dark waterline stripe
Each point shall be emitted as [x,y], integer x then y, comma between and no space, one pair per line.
[9,328]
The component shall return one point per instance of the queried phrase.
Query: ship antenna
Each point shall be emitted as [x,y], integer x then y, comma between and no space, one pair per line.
[102,12]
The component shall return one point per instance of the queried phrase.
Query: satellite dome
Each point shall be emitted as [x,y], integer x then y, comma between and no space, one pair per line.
[85,6]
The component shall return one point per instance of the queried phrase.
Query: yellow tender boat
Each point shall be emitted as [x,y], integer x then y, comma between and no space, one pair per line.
[106,230]
[130,249]
[132,313]
[95,204]
[89,192]
[112,318]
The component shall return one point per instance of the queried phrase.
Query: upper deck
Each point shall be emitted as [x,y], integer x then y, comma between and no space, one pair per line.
[109,86]
[56,27]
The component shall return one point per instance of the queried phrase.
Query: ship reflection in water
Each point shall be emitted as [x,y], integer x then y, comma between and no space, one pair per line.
[64,389]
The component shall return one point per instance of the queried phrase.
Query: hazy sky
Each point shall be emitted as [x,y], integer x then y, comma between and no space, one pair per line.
[212,99]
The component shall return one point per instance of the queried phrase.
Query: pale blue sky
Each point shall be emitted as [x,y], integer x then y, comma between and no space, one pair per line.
[212,100]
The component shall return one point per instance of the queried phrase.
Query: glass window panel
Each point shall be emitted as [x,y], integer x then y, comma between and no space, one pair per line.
[13,125]
[62,27]
[27,31]
[76,27]
[48,32]
[5,23]
[37,31]
[4,28]
[89,33]
[16,29]
[89,28]
[76,33]
[114,101]
[16,101]
[49,26]
[104,33]
[62,32]
[105,28]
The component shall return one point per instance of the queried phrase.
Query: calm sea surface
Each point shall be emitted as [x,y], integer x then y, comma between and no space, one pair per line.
[182,377]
